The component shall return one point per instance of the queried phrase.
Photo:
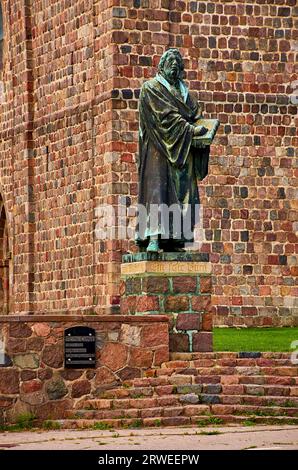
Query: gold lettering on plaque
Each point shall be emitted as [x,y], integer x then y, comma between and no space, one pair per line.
[167,267]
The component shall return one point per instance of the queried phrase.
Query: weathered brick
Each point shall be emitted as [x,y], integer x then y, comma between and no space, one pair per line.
[153,285]
[188,321]
[233,389]
[175,421]
[179,342]
[164,389]
[201,303]
[203,379]
[186,389]
[192,410]
[153,336]
[210,399]
[212,389]
[205,285]
[132,286]
[202,341]
[254,390]
[230,380]
[191,398]
[184,284]
[207,321]
[147,303]
[177,303]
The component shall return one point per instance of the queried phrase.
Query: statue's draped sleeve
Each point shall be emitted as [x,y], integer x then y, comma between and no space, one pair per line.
[201,162]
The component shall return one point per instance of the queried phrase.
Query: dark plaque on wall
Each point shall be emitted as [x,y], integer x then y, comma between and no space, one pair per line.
[79,347]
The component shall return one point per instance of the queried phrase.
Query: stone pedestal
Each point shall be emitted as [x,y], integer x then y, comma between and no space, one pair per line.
[175,284]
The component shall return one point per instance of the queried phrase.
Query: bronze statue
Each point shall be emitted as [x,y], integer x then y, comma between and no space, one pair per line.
[170,158]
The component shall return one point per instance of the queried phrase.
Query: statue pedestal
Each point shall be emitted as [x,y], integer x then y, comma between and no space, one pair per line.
[175,284]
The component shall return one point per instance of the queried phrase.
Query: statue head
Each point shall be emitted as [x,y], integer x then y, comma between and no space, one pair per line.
[171,66]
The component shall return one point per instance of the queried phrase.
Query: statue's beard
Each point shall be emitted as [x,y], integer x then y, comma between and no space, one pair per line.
[172,75]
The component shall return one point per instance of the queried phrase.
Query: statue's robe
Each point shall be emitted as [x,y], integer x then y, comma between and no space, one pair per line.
[169,166]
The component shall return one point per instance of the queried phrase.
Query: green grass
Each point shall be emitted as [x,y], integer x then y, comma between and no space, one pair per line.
[289,404]
[136,423]
[250,422]
[254,339]
[212,420]
[24,422]
[50,425]
[99,426]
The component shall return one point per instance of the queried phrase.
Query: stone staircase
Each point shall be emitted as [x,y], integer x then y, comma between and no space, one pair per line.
[198,389]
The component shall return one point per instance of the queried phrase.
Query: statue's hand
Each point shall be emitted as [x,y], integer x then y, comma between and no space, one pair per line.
[200,130]
[198,116]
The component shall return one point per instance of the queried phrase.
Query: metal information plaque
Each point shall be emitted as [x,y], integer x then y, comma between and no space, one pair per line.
[79,347]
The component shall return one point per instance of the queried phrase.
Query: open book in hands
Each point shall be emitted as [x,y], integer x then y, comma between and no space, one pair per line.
[204,140]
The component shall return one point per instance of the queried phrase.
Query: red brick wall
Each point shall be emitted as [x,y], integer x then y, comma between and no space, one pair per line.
[56,144]
[68,125]
[240,58]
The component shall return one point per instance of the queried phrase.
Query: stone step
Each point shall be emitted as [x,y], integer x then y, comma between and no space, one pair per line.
[252,410]
[173,421]
[258,400]
[254,420]
[262,386]
[188,410]
[280,371]
[268,380]
[258,390]
[132,392]
[128,403]
[180,356]
[229,362]
[178,379]
[246,379]
[187,399]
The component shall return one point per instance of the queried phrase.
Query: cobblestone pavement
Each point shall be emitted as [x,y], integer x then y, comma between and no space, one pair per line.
[209,438]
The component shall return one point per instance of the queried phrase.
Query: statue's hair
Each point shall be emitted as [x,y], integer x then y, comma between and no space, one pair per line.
[166,54]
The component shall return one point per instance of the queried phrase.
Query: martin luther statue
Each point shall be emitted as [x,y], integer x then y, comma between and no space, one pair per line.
[169,162]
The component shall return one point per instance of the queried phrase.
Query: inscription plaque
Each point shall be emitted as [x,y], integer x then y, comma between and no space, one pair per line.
[79,348]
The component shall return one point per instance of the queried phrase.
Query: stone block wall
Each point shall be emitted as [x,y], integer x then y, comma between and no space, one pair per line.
[32,373]
[185,299]
[69,88]
[178,285]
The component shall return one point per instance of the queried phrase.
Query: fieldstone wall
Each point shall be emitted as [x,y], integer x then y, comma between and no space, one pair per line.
[32,374]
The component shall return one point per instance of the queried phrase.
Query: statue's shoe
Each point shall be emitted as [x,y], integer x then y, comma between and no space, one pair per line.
[153,247]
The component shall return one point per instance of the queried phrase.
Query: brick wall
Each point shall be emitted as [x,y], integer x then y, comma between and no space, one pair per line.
[240,59]
[68,124]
